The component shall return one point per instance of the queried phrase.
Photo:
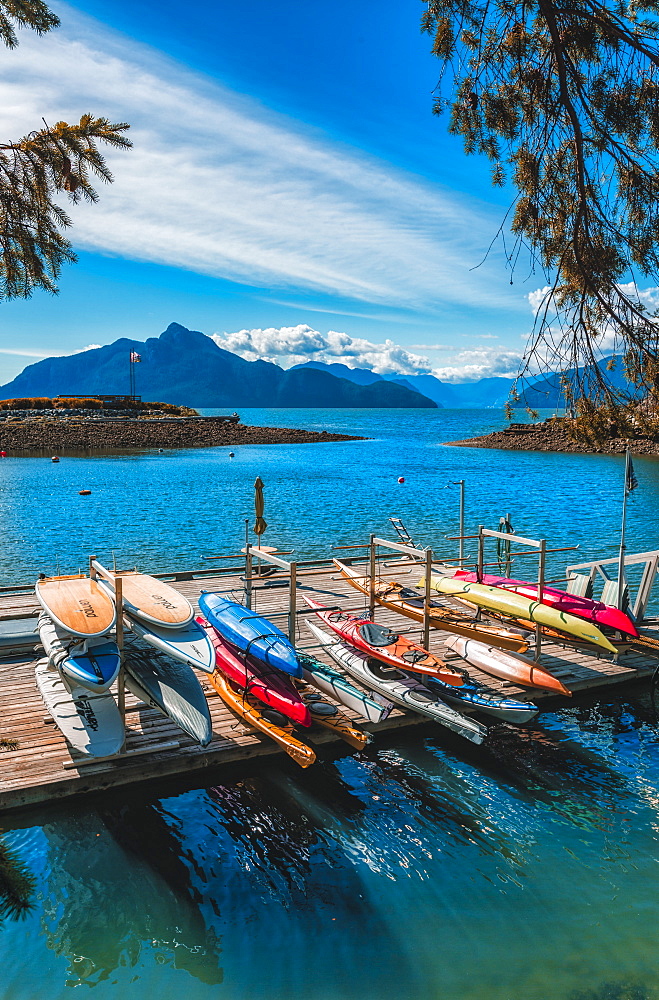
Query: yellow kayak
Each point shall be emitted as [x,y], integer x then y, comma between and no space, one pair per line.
[514,605]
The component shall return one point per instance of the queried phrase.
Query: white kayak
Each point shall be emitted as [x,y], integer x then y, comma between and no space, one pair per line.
[93,662]
[90,720]
[334,683]
[398,687]
[189,644]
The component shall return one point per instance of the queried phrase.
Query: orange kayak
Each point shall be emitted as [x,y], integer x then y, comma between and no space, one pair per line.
[385,645]
[327,714]
[266,720]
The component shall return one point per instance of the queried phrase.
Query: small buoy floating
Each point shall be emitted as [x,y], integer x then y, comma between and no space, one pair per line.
[3,454]
[401,479]
[231,455]
[84,493]
[54,458]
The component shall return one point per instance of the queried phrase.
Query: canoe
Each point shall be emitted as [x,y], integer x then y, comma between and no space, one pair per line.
[407,602]
[397,686]
[189,643]
[92,663]
[385,645]
[484,699]
[250,633]
[332,682]
[151,600]
[505,665]
[89,720]
[520,607]
[274,689]
[76,604]
[326,714]
[560,600]
[266,720]
[173,689]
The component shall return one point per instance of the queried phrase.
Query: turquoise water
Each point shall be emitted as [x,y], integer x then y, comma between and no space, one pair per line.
[423,868]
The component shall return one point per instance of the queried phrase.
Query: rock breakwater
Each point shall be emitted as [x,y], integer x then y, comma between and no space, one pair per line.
[554,435]
[34,435]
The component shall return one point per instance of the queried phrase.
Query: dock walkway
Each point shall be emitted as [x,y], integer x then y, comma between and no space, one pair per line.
[44,768]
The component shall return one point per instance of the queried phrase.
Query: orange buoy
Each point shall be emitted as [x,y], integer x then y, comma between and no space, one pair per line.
[84,493]
[3,454]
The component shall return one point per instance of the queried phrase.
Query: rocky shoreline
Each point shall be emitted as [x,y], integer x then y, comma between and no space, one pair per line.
[552,435]
[56,437]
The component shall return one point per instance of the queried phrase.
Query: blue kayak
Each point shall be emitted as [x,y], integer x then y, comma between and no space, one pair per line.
[484,699]
[250,633]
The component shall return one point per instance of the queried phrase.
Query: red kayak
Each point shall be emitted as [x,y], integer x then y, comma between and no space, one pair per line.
[267,684]
[560,600]
[385,645]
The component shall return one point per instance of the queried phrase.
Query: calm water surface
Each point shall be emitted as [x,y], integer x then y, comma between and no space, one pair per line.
[421,868]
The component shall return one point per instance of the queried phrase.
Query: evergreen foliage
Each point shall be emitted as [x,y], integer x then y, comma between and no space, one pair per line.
[563,99]
[34,170]
[16,885]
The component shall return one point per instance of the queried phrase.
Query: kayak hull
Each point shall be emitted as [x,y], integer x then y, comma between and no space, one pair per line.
[325,713]
[250,633]
[398,687]
[506,666]
[270,687]
[483,699]
[332,682]
[400,653]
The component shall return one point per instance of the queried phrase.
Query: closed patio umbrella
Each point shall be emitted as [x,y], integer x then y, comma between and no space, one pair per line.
[260,524]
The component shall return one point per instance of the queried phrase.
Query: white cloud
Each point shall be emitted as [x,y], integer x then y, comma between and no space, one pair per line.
[220,185]
[469,366]
[46,354]
[291,345]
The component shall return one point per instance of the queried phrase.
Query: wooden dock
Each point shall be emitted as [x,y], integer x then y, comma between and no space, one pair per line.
[43,767]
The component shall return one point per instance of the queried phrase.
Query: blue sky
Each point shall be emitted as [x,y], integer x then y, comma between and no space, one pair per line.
[289,190]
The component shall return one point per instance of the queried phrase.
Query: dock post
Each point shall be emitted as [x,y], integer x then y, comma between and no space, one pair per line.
[461,550]
[541,587]
[92,568]
[371,581]
[292,603]
[481,549]
[426,606]
[248,576]
[121,685]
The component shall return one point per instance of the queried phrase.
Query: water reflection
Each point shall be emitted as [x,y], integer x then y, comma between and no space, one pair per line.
[118,887]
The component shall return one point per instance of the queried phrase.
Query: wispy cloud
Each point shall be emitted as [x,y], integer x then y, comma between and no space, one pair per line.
[469,366]
[20,353]
[219,185]
[292,345]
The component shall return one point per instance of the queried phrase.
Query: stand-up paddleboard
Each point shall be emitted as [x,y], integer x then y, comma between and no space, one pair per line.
[382,643]
[505,665]
[520,607]
[396,597]
[326,714]
[76,604]
[172,688]
[398,687]
[94,663]
[250,633]
[560,600]
[152,601]
[189,643]
[267,720]
[484,699]
[90,720]
[269,685]
[332,682]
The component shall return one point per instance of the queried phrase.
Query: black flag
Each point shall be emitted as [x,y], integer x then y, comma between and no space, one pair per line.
[631,482]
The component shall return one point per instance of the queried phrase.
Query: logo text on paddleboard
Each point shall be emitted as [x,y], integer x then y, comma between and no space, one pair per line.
[85,709]
[88,608]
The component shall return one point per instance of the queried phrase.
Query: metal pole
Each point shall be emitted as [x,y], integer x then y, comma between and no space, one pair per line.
[371,582]
[292,603]
[426,606]
[541,587]
[461,552]
[621,558]
[248,576]
[121,682]
[481,547]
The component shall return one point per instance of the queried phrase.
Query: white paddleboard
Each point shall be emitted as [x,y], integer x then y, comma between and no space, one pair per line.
[93,663]
[190,644]
[89,720]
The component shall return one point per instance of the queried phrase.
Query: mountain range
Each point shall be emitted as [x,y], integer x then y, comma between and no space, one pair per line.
[188,368]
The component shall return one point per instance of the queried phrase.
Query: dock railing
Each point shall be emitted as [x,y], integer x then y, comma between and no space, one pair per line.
[419,555]
[253,552]
[649,561]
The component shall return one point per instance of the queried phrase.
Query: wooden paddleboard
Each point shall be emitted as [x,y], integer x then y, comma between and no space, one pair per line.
[76,604]
[89,720]
[153,601]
